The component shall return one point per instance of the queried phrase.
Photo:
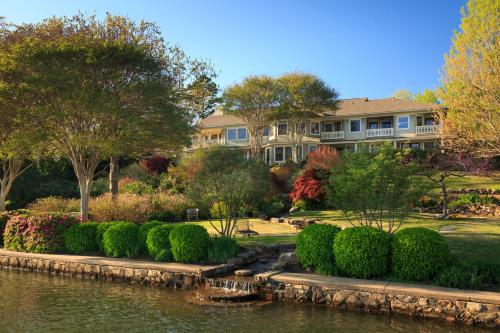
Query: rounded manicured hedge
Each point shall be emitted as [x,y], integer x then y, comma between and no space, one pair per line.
[314,247]
[190,243]
[81,238]
[158,243]
[142,235]
[119,240]
[418,254]
[362,252]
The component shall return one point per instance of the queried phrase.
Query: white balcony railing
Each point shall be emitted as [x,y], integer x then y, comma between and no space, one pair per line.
[332,135]
[207,143]
[376,132]
[427,129]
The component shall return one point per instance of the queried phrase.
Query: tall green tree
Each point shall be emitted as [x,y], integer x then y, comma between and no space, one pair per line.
[426,96]
[403,94]
[18,136]
[96,88]
[227,183]
[254,101]
[375,190]
[303,96]
[471,82]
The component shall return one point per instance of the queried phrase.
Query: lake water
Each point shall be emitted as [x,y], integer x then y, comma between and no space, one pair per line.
[36,302]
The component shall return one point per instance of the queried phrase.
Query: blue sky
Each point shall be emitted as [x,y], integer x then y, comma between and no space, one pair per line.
[361,48]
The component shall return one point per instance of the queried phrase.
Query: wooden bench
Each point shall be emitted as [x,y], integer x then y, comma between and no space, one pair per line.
[192,213]
[246,230]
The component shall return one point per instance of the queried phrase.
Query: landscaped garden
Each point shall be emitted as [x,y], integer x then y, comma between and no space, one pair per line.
[376,200]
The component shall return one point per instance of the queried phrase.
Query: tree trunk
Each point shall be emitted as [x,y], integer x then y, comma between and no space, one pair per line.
[3,197]
[113,176]
[445,198]
[85,186]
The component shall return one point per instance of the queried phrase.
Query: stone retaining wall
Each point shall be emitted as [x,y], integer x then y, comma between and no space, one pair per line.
[140,275]
[383,299]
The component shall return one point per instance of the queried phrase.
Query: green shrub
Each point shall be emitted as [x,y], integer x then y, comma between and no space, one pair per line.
[418,254]
[158,243]
[101,229]
[120,239]
[142,235]
[189,243]
[362,252]
[466,275]
[221,249]
[81,238]
[4,217]
[314,247]
[37,233]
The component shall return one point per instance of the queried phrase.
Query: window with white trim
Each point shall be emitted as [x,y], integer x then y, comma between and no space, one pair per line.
[301,128]
[282,128]
[314,127]
[282,153]
[299,153]
[265,131]
[403,122]
[355,125]
[237,134]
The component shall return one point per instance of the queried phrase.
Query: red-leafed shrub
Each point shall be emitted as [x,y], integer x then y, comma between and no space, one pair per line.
[155,165]
[37,233]
[307,186]
[324,158]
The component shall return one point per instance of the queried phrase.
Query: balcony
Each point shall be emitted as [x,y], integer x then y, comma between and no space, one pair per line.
[207,143]
[338,135]
[427,129]
[378,132]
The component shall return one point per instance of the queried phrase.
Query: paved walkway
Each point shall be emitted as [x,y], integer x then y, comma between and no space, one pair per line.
[383,287]
[129,263]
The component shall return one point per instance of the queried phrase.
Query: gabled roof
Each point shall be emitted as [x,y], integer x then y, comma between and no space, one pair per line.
[365,106]
[347,107]
[220,121]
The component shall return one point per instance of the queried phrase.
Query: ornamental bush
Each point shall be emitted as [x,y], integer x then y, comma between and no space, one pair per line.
[190,243]
[37,233]
[221,249]
[468,275]
[4,217]
[158,243]
[81,238]
[314,247]
[101,229]
[120,240]
[418,254]
[362,252]
[142,235]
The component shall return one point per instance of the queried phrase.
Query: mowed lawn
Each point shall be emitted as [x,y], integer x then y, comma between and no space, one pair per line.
[474,239]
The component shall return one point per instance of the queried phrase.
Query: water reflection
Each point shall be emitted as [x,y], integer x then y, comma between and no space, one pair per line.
[32,302]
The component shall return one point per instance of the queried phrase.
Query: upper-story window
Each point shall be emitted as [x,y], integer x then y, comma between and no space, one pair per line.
[237,134]
[265,132]
[403,122]
[386,124]
[355,125]
[328,127]
[301,128]
[372,125]
[282,128]
[314,128]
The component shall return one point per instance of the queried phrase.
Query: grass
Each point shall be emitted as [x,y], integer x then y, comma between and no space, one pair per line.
[471,239]
[469,182]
